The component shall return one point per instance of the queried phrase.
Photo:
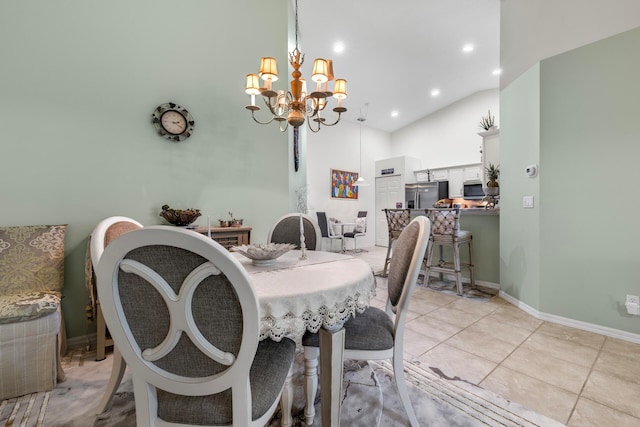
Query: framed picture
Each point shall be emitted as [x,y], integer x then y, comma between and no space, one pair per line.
[342,185]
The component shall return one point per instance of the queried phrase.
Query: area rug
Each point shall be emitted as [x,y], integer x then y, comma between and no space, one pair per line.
[369,399]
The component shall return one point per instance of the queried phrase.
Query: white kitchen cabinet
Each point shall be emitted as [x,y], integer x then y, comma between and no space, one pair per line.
[439,174]
[422,176]
[473,173]
[456,182]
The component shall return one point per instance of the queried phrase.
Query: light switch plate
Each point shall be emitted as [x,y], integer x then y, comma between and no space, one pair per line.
[527,202]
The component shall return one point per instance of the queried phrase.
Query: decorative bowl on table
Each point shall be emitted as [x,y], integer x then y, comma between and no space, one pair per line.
[263,254]
[180,217]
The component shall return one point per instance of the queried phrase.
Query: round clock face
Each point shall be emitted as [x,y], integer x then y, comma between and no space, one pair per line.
[173,122]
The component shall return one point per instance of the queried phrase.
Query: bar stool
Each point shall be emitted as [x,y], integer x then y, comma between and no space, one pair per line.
[445,231]
[397,220]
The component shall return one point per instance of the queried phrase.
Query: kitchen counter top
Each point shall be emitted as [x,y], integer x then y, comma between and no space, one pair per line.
[472,211]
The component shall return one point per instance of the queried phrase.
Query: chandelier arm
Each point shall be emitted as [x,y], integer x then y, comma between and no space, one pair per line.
[270,105]
[312,129]
[334,123]
[253,114]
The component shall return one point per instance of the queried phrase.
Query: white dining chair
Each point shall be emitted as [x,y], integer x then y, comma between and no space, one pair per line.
[377,334]
[104,233]
[183,312]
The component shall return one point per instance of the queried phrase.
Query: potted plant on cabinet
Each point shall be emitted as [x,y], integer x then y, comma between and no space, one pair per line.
[493,172]
[488,122]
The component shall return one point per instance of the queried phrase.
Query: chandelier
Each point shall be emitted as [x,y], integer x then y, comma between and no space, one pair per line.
[297,105]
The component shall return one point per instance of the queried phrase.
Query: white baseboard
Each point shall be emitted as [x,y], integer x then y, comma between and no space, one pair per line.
[578,324]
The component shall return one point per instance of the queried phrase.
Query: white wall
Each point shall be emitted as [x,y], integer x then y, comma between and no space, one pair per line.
[338,148]
[534,30]
[448,137]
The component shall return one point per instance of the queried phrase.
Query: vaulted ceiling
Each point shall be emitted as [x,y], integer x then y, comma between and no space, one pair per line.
[397,52]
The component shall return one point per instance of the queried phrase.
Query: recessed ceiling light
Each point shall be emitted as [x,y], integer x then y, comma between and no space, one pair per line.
[467,48]
[435,92]
[497,71]
[394,113]
[338,47]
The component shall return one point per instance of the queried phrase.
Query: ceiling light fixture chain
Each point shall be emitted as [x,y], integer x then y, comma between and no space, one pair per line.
[361,182]
[296,106]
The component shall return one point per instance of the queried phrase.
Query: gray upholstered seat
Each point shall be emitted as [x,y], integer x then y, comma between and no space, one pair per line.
[287,230]
[184,315]
[378,334]
[268,373]
[371,330]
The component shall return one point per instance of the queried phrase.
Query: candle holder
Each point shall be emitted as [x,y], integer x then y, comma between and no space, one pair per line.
[303,248]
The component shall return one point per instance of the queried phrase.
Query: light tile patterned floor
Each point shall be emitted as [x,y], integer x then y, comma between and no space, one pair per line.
[575,377]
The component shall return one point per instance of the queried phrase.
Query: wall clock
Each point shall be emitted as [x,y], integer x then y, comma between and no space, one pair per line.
[173,121]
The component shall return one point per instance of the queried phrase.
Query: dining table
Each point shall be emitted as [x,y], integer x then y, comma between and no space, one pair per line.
[315,293]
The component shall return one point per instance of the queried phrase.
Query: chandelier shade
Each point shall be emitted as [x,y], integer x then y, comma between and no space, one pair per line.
[297,105]
[253,85]
[268,69]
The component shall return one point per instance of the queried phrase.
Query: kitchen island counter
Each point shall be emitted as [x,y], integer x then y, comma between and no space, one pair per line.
[484,224]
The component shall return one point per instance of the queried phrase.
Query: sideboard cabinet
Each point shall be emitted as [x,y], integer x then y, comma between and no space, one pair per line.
[228,236]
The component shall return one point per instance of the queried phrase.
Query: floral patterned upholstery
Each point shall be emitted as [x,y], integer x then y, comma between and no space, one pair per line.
[31,271]
[31,327]
[28,305]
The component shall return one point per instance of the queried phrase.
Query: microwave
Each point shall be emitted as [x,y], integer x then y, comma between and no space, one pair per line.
[473,192]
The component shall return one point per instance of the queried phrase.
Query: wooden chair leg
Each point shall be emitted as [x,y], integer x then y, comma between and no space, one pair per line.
[117,372]
[441,261]
[286,400]
[473,283]
[101,334]
[387,260]
[311,355]
[398,374]
[457,268]
[429,261]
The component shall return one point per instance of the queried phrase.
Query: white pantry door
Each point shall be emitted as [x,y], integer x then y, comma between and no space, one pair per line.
[389,191]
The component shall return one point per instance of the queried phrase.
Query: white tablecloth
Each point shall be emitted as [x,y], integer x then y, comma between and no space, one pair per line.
[298,295]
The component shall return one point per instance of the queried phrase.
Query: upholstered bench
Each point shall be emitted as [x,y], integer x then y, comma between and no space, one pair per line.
[31,327]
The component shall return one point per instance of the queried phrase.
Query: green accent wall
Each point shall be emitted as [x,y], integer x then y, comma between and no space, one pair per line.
[576,254]
[79,83]
[485,230]
[520,228]
[589,152]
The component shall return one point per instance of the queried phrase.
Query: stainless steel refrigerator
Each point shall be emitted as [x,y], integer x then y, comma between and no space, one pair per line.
[425,194]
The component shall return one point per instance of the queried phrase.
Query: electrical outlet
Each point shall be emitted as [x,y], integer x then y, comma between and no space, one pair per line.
[633,304]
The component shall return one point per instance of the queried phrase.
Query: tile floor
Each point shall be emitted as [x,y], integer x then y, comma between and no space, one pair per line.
[578,378]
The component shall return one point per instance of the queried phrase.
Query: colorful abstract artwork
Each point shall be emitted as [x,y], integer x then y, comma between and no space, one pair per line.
[342,184]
